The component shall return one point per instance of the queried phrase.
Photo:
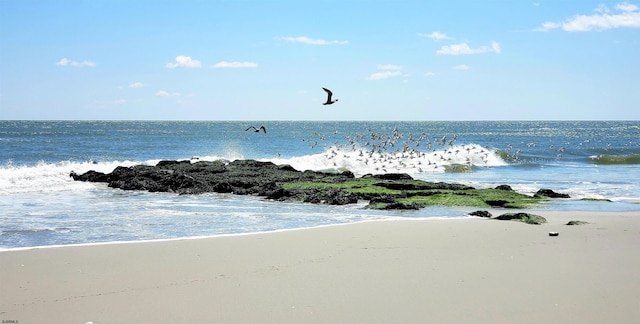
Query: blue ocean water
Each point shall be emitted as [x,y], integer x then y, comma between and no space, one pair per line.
[42,206]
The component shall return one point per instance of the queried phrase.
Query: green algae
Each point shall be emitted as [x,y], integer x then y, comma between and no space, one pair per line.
[597,199]
[415,194]
[457,168]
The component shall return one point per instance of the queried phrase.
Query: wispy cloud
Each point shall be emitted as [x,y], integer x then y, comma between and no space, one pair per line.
[389,67]
[428,74]
[437,36]
[136,85]
[163,93]
[626,16]
[462,67]
[67,62]
[225,64]
[389,70]
[312,41]
[184,61]
[384,75]
[465,49]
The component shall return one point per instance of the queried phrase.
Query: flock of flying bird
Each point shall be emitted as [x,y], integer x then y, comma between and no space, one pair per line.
[379,152]
[385,153]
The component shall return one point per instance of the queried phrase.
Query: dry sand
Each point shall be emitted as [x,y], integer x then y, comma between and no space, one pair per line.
[438,271]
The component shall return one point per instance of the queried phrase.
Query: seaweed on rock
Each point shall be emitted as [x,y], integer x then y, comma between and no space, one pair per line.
[284,183]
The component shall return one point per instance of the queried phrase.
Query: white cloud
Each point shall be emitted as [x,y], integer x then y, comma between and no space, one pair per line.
[462,67]
[225,64]
[546,26]
[67,62]
[437,36]
[184,61]
[384,75]
[163,93]
[136,85]
[463,49]
[389,67]
[307,40]
[627,16]
[627,7]
[428,74]
[389,70]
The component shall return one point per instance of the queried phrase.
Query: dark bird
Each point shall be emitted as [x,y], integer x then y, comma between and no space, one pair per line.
[257,130]
[329,94]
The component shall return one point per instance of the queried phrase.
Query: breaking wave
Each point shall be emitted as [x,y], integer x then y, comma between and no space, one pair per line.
[361,162]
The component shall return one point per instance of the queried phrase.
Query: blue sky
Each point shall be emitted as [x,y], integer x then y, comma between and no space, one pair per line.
[268,60]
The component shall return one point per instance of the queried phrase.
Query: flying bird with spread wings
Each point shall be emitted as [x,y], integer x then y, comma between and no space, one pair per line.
[329,94]
[257,130]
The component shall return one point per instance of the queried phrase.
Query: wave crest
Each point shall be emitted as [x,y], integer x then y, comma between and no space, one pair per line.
[362,162]
[615,159]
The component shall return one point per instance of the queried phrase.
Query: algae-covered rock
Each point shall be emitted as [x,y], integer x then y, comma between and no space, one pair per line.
[480,213]
[576,222]
[284,183]
[457,168]
[551,194]
[523,217]
[597,199]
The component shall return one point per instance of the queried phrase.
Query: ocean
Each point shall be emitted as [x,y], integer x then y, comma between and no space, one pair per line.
[42,206]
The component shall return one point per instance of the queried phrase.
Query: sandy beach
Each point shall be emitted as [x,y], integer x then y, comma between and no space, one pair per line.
[439,271]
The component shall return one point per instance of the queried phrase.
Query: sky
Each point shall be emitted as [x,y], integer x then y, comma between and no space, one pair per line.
[268,60]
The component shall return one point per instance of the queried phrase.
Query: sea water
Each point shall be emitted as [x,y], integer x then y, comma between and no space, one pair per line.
[40,205]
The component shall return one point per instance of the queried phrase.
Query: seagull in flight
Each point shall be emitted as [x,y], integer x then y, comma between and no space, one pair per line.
[329,94]
[257,130]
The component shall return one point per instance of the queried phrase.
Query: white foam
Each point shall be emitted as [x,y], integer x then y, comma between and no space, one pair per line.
[50,177]
[362,162]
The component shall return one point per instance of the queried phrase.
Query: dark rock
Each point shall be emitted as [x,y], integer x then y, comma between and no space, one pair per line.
[90,176]
[550,193]
[287,167]
[481,213]
[222,187]
[171,163]
[387,199]
[402,205]
[496,203]
[348,174]
[393,176]
[277,194]
[277,182]
[576,222]
[504,187]
[523,217]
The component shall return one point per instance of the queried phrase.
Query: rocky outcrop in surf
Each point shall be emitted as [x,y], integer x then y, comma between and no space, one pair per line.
[284,183]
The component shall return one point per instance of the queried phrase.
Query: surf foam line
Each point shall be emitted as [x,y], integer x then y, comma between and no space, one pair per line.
[361,162]
[237,234]
[52,177]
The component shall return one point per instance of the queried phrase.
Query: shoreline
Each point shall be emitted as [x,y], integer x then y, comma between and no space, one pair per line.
[418,219]
[468,269]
